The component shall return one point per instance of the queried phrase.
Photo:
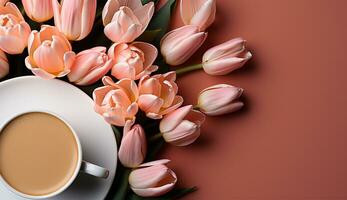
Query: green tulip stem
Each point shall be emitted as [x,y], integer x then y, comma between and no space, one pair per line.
[189,69]
[155,137]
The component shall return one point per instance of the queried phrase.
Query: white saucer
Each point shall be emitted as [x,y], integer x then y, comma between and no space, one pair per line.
[97,138]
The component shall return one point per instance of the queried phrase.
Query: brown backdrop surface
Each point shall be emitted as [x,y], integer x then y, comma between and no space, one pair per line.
[290,141]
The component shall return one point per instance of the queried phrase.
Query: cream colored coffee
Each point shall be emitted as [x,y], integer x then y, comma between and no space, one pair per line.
[38,153]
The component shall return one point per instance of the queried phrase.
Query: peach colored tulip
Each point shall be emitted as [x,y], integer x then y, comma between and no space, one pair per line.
[50,53]
[14,31]
[152,179]
[4,66]
[74,18]
[38,10]
[90,66]
[220,99]
[179,45]
[125,20]
[116,102]
[198,12]
[182,126]
[158,95]
[3,2]
[133,60]
[132,150]
[226,57]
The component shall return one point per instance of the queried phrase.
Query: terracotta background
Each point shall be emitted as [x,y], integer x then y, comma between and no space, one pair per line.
[290,141]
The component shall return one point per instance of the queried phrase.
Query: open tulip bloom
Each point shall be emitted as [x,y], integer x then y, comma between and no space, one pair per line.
[124,55]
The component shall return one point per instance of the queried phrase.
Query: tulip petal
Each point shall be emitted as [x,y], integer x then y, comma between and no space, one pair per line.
[147,177]
[150,103]
[197,117]
[95,74]
[37,71]
[69,58]
[171,38]
[235,106]
[130,88]
[11,44]
[205,15]
[189,8]
[144,14]
[154,192]
[178,101]
[111,7]
[149,51]
[57,13]
[4,66]
[156,162]
[133,4]
[184,134]
[99,94]
[150,86]
[123,70]
[33,42]
[114,117]
[187,47]
[47,59]
[170,121]
[88,16]
[226,49]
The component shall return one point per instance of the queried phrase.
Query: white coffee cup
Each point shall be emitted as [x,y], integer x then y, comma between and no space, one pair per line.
[81,166]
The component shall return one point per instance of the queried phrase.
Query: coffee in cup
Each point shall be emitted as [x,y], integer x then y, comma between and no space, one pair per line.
[40,155]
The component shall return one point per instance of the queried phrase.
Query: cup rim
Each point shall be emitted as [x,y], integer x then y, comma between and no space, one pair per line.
[77,168]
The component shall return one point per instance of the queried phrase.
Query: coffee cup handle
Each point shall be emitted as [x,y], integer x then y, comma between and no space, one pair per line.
[94,170]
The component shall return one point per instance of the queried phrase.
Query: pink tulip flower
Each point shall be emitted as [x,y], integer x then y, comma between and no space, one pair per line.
[74,18]
[116,102]
[226,57]
[182,126]
[14,31]
[125,20]
[38,10]
[220,99]
[201,13]
[50,53]
[134,60]
[158,95]
[3,2]
[152,179]
[132,150]
[4,66]
[179,45]
[90,66]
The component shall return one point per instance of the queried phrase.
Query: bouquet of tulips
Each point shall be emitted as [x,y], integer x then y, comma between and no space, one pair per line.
[109,49]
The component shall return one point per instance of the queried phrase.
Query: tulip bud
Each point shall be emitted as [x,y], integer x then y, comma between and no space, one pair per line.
[182,126]
[124,21]
[50,53]
[152,179]
[90,66]
[201,13]
[38,10]
[220,99]
[14,30]
[134,60]
[226,57]
[132,151]
[4,66]
[179,45]
[74,18]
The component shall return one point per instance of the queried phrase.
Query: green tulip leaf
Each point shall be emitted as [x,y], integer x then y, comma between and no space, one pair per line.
[161,20]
